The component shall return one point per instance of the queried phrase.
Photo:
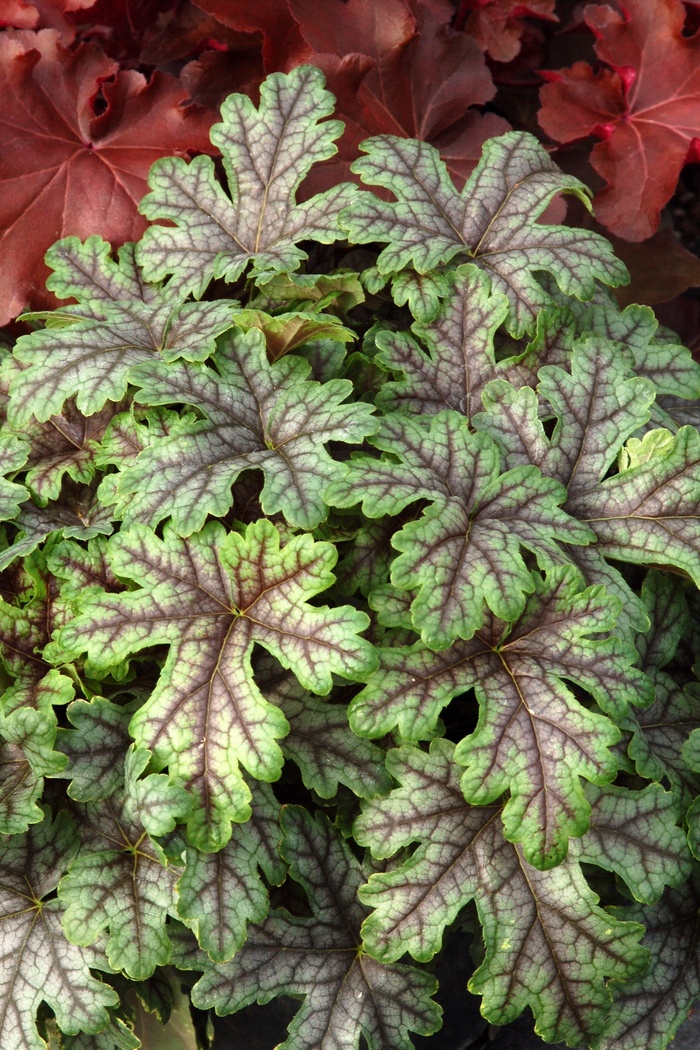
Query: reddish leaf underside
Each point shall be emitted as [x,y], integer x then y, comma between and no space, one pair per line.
[645,107]
[73,161]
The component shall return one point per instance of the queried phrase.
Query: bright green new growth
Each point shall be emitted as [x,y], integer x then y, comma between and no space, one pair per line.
[494,696]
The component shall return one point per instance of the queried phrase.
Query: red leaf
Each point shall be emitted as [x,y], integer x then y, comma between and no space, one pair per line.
[421,80]
[496,25]
[283,46]
[66,168]
[646,108]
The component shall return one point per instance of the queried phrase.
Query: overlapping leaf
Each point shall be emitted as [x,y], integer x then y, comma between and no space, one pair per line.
[533,737]
[320,740]
[220,893]
[95,748]
[642,104]
[492,221]
[648,514]
[13,456]
[461,357]
[258,415]
[659,733]
[210,599]
[120,881]
[266,154]
[548,944]
[464,551]
[120,320]
[37,961]
[347,994]
[77,513]
[77,135]
[650,1008]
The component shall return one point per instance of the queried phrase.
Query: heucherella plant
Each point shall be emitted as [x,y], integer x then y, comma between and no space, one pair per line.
[347,594]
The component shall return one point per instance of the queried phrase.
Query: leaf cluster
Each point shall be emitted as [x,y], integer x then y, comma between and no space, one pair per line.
[348,579]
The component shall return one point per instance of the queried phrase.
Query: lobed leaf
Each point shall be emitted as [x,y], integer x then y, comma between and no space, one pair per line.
[346,992]
[90,360]
[210,599]
[533,736]
[266,154]
[119,880]
[257,416]
[492,221]
[463,553]
[548,943]
[219,894]
[37,961]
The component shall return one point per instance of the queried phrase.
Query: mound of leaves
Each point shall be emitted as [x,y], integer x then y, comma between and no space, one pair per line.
[349,579]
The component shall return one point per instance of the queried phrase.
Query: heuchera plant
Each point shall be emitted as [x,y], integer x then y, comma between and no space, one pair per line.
[350,559]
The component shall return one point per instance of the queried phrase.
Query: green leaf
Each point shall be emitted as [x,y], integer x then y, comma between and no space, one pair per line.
[266,154]
[492,221]
[270,417]
[219,894]
[650,514]
[597,409]
[13,456]
[27,755]
[321,742]
[90,360]
[119,881]
[346,992]
[422,292]
[77,513]
[533,736]
[460,344]
[548,944]
[668,365]
[37,962]
[634,834]
[210,599]
[96,748]
[650,1008]
[464,552]
[27,622]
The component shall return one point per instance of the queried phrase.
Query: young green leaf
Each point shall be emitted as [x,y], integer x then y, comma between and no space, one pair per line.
[266,154]
[120,881]
[257,415]
[210,599]
[492,221]
[548,944]
[464,552]
[37,962]
[219,894]
[347,994]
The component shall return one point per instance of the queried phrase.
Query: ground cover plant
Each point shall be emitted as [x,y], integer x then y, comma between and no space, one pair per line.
[349,596]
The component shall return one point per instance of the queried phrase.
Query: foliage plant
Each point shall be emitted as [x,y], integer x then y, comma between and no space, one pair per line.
[349,569]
